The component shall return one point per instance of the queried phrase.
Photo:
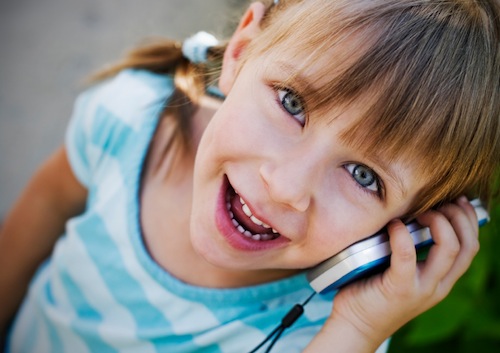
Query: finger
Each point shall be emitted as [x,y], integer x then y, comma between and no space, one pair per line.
[404,258]
[463,219]
[466,230]
[465,204]
[445,250]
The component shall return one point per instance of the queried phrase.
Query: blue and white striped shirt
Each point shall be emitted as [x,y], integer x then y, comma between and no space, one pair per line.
[102,292]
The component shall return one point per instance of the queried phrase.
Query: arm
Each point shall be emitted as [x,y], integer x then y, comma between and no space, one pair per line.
[32,227]
[365,313]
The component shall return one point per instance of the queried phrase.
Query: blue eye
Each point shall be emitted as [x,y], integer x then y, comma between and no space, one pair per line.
[293,104]
[364,176]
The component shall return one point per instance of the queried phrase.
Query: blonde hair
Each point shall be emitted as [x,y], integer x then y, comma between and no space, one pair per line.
[431,69]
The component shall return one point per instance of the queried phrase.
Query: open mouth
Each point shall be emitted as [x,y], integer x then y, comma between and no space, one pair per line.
[244,221]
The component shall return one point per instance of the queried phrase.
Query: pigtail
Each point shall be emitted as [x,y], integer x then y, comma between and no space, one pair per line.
[166,57]
[161,56]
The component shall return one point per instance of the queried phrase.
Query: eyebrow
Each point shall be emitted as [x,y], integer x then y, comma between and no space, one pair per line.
[296,77]
[307,87]
[397,181]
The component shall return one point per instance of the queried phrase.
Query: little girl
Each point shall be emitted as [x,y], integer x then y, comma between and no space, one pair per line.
[187,201]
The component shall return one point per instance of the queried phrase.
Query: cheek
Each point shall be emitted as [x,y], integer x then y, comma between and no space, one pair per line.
[328,241]
[339,222]
[234,128]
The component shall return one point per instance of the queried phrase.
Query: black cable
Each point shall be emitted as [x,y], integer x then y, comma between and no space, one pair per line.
[275,339]
[287,321]
[266,339]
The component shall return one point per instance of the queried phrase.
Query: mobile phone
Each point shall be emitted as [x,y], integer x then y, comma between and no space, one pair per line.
[371,255]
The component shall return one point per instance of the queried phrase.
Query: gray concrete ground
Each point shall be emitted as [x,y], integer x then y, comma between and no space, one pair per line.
[47,47]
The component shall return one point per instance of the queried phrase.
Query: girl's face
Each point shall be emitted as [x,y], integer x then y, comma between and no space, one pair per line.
[275,188]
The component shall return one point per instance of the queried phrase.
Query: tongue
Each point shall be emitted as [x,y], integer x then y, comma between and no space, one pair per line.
[244,220]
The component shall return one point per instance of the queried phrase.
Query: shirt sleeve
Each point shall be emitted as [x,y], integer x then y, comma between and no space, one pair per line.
[107,116]
[78,135]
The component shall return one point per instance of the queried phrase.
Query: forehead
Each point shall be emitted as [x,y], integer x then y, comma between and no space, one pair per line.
[321,58]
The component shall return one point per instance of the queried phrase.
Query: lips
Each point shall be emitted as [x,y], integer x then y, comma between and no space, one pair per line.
[244,221]
[240,231]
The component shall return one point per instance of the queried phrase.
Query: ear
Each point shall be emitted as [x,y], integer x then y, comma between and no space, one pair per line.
[247,30]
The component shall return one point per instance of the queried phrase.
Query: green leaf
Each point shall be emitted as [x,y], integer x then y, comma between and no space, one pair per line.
[485,323]
[441,321]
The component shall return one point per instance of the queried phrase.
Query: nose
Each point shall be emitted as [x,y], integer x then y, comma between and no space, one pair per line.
[290,182]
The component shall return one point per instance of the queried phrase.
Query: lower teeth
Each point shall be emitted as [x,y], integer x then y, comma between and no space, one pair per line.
[247,233]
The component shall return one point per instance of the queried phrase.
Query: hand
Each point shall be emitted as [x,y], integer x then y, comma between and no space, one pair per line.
[380,305]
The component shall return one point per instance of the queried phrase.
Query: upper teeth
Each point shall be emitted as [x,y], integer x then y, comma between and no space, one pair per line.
[254,219]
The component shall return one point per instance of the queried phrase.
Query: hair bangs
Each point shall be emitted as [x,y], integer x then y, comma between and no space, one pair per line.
[431,99]
[426,71]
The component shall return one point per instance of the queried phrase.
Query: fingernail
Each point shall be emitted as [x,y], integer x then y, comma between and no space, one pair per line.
[394,221]
[463,200]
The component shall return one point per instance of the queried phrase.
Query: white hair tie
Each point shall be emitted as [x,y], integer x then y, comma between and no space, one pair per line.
[195,48]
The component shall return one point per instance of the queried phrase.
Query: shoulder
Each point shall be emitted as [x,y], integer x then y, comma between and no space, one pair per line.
[128,92]
[138,83]
[112,113]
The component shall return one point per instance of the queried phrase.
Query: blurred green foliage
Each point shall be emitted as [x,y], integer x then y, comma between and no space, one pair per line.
[468,320]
